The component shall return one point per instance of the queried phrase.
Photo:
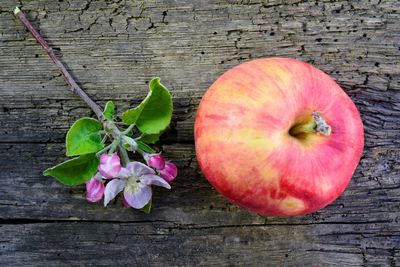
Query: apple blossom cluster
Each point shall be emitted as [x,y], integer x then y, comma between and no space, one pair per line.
[134,180]
[103,151]
[106,168]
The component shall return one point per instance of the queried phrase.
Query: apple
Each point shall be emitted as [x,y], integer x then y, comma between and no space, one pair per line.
[278,137]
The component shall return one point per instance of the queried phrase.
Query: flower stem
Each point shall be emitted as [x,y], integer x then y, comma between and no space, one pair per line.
[124,155]
[114,146]
[104,150]
[70,80]
[128,129]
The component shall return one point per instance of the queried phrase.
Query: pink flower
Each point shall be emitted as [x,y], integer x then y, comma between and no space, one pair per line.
[169,172]
[110,165]
[155,160]
[95,190]
[135,181]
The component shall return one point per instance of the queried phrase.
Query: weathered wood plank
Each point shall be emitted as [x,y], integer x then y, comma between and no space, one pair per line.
[166,244]
[189,48]
[114,48]
[373,194]
[49,120]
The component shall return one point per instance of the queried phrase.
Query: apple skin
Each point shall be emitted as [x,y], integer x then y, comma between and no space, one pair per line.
[243,144]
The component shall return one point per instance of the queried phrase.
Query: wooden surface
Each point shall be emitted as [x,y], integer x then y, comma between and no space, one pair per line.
[114,48]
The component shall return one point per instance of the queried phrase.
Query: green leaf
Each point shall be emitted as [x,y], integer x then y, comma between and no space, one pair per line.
[84,137]
[142,146]
[75,171]
[109,111]
[146,209]
[150,138]
[153,115]
[130,116]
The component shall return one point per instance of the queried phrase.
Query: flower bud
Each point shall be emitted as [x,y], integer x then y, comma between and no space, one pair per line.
[95,190]
[155,160]
[110,165]
[129,143]
[169,172]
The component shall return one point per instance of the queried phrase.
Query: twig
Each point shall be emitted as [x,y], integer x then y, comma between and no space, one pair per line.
[74,86]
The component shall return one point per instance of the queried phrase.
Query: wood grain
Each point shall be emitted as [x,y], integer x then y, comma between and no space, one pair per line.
[113,49]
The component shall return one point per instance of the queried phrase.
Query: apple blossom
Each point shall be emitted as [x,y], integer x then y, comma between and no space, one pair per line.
[95,190]
[135,180]
[110,165]
[154,160]
[169,172]
[88,138]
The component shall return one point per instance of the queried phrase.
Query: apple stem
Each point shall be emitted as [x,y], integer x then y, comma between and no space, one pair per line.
[321,126]
[316,125]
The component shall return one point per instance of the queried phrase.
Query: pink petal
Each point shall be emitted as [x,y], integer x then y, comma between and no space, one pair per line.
[156,161]
[139,169]
[124,173]
[151,179]
[138,199]
[95,190]
[169,172]
[110,165]
[112,189]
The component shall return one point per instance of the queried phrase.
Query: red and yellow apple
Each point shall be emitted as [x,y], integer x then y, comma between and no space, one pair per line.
[278,136]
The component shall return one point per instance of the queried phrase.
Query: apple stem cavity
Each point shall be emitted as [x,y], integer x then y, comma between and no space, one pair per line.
[315,124]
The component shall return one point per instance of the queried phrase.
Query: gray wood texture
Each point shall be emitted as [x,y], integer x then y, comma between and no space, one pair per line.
[113,49]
